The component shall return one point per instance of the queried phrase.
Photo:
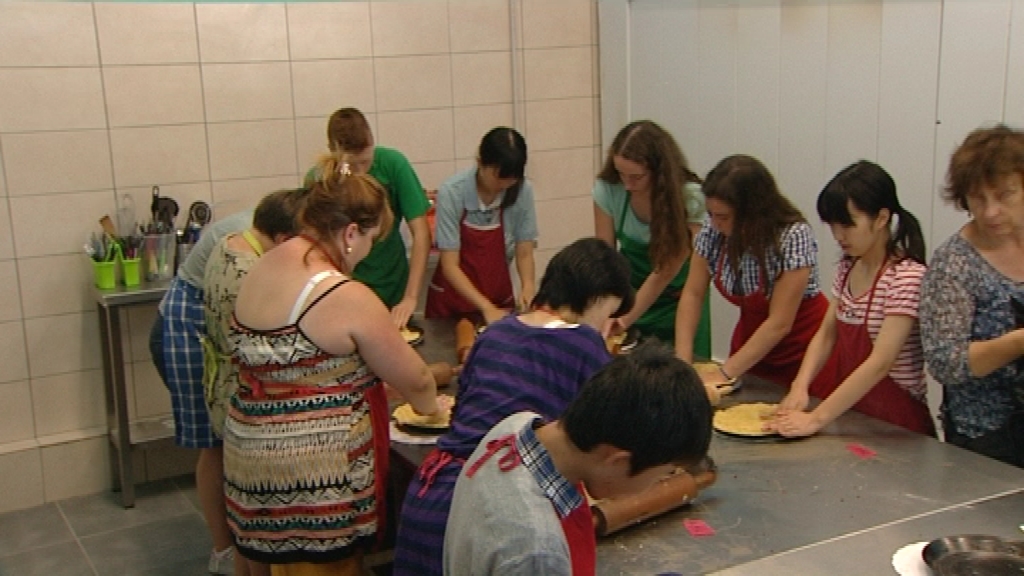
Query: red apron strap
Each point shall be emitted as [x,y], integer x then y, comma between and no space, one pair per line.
[380,420]
[432,464]
[507,462]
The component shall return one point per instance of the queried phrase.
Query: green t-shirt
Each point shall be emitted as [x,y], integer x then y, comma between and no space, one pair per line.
[386,268]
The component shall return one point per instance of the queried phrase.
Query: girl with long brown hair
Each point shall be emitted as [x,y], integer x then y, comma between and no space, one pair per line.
[762,256]
[649,203]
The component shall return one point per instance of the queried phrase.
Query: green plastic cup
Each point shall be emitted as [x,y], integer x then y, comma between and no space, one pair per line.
[130,271]
[103,274]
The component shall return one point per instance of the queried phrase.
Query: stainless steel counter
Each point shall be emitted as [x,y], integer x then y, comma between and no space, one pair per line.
[812,506]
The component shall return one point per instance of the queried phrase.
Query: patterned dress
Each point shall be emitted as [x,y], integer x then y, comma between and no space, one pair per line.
[224,273]
[301,448]
[964,299]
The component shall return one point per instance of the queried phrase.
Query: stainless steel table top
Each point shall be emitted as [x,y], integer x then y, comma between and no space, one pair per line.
[812,506]
[122,296]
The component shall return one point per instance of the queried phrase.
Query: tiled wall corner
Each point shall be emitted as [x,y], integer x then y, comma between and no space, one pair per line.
[76,468]
[222,103]
[21,480]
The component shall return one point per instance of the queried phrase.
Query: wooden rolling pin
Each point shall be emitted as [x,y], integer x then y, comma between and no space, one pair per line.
[442,372]
[465,335]
[667,494]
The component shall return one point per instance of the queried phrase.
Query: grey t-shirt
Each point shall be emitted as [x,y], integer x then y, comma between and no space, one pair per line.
[193,268]
[503,523]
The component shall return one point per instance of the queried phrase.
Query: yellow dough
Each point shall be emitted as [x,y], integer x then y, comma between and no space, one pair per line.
[405,415]
[410,335]
[744,419]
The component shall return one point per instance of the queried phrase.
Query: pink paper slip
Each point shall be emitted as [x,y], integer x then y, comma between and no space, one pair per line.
[861,451]
[698,528]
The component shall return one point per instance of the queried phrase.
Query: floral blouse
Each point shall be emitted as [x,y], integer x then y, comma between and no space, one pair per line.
[963,300]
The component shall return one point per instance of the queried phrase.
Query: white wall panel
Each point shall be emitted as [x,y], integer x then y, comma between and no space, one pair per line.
[803,77]
[716,94]
[972,79]
[1013,108]
[664,86]
[854,44]
[758,40]
[907,102]
[802,96]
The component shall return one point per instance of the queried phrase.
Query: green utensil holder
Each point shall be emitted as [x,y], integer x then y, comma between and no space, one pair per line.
[103,274]
[130,271]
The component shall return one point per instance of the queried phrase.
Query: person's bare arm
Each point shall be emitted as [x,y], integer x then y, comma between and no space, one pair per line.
[367,329]
[464,286]
[783,305]
[401,312]
[690,306]
[527,276]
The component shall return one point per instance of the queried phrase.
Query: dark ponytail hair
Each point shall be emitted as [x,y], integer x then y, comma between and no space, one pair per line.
[505,149]
[870,188]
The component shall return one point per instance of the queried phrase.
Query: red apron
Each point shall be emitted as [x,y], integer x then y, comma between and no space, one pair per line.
[782,363]
[886,400]
[380,419]
[577,527]
[482,259]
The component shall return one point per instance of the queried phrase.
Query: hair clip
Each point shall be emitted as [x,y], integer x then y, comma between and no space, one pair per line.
[344,169]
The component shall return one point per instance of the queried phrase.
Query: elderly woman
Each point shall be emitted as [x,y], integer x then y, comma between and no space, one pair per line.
[972,342]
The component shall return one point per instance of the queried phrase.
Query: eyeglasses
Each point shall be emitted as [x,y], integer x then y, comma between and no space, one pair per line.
[632,178]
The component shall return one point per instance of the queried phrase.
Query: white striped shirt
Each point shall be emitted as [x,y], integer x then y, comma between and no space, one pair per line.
[898,292]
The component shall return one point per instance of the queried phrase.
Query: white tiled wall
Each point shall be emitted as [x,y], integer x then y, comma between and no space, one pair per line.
[222,103]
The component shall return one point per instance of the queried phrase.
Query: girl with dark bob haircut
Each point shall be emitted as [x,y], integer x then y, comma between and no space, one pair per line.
[485,219]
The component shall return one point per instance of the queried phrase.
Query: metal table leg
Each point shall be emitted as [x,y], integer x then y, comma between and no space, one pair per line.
[117,402]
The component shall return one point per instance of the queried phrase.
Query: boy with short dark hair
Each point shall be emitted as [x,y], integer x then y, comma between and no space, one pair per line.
[518,507]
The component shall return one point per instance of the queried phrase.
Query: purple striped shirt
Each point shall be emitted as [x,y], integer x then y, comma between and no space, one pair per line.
[511,368]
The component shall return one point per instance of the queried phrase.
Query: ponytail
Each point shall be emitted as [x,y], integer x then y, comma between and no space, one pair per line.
[908,240]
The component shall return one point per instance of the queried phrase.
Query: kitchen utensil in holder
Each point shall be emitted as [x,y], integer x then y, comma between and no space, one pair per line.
[158,252]
[130,272]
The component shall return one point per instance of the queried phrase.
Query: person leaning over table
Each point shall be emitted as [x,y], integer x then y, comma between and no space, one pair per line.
[871,328]
[306,437]
[519,506]
[649,203]
[536,361]
[972,342]
[175,344]
[386,270]
[761,254]
[273,222]
[485,218]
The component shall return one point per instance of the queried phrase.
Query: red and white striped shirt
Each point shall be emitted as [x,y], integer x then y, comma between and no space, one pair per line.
[898,292]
